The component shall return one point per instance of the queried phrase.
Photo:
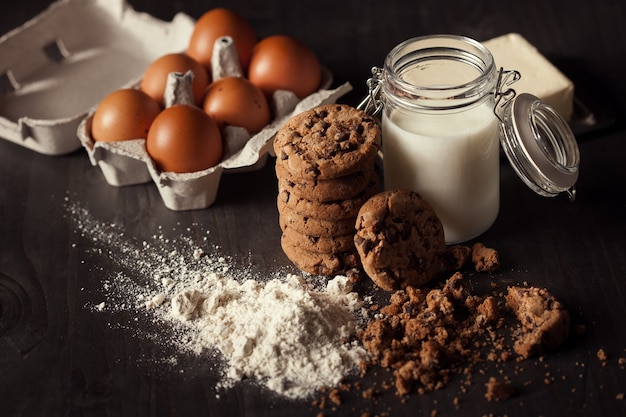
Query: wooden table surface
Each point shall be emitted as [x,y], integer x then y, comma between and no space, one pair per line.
[60,356]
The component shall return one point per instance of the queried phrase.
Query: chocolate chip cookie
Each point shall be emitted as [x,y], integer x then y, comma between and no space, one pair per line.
[319,244]
[340,188]
[399,239]
[325,166]
[312,226]
[326,264]
[327,142]
[332,210]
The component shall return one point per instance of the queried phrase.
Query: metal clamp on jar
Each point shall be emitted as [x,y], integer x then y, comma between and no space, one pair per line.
[445,108]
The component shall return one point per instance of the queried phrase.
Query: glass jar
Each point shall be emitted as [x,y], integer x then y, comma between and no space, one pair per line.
[440,132]
[445,108]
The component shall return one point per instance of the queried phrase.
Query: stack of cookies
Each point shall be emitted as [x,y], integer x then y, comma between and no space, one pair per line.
[325,165]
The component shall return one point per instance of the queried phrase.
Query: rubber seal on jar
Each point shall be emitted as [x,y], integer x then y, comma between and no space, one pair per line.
[540,146]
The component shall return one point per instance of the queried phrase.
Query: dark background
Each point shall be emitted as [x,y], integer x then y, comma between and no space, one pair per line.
[59,358]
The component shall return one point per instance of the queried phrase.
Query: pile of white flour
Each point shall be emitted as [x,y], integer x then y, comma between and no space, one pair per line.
[291,335]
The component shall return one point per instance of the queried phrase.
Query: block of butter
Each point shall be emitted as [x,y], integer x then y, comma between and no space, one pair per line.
[539,76]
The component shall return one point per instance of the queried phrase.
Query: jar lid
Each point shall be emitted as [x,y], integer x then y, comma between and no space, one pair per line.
[540,146]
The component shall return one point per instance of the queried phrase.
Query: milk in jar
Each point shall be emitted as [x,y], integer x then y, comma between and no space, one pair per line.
[452,163]
[440,132]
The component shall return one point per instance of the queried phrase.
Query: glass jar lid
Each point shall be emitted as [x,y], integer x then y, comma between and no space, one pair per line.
[540,146]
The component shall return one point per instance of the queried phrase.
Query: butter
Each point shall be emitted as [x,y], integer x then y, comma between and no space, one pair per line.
[539,77]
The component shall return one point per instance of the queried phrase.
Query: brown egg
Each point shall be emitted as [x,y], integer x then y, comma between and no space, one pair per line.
[281,62]
[122,115]
[235,101]
[184,138]
[155,77]
[217,23]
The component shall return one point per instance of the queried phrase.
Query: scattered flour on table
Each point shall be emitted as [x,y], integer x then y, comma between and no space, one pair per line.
[292,335]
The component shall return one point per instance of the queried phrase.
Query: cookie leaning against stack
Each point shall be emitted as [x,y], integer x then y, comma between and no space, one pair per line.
[400,239]
[325,165]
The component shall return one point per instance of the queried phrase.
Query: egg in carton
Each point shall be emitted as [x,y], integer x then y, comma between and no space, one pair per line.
[128,162]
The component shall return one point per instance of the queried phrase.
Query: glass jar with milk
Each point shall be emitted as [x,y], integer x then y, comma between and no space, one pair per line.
[441,131]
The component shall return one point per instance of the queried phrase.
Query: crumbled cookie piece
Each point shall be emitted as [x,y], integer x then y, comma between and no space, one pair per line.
[488,310]
[498,390]
[485,259]
[456,257]
[455,287]
[544,320]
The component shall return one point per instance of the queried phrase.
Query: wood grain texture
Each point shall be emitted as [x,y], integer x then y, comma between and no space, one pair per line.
[58,357]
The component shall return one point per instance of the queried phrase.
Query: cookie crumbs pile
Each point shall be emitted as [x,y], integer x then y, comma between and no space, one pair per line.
[426,336]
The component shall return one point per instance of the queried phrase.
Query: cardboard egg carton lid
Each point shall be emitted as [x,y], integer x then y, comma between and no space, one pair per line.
[64,61]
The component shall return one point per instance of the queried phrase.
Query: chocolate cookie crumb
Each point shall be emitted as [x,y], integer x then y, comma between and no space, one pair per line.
[544,321]
[488,310]
[602,356]
[369,393]
[456,257]
[498,390]
[485,259]
[335,397]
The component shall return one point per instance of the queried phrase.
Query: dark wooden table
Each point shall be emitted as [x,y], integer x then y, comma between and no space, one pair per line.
[59,356]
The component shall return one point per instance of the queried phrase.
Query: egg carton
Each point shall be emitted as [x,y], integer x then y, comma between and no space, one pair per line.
[59,64]
[128,162]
